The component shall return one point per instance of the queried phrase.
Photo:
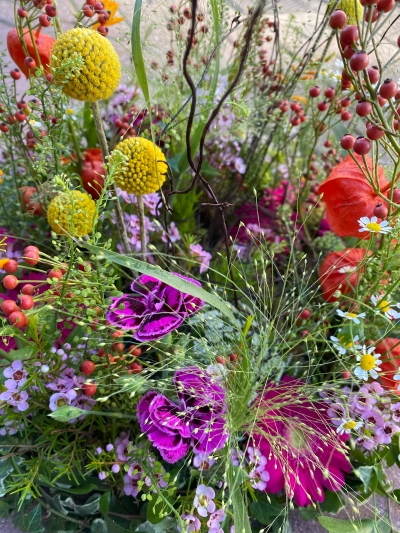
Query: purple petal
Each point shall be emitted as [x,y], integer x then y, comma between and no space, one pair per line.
[143,411]
[145,284]
[167,417]
[156,326]
[209,436]
[172,297]
[190,304]
[199,392]
[172,456]
[130,316]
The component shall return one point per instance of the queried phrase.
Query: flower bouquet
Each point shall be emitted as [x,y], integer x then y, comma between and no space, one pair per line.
[200,305]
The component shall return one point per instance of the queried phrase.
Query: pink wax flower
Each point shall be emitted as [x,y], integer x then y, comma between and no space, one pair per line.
[304,452]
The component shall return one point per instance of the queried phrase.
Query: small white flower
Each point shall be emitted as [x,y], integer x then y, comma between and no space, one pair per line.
[347,269]
[348,425]
[383,304]
[373,226]
[397,378]
[351,316]
[342,348]
[369,364]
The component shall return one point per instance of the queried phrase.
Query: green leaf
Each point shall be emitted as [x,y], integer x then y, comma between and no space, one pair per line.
[332,503]
[6,467]
[156,509]
[113,527]
[105,502]
[89,508]
[67,413]
[156,272]
[137,55]
[29,523]
[384,525]
[308,513]
[98,526]
[240,515]
[5,509]
[89,128]
[90,487]
[333,525]
[365,473]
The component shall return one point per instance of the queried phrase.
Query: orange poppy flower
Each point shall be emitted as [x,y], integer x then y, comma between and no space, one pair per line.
[348,196]
[92,172]
[44,44]
[112,6]
[339,271]
[390,351]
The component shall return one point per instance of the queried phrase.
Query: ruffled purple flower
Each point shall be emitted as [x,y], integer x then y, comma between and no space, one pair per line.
[154,309]
[197,421]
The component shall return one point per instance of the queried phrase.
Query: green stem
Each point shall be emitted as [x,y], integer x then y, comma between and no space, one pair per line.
[142,226]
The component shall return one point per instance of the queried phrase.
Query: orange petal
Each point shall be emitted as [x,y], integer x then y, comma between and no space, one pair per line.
[3,262]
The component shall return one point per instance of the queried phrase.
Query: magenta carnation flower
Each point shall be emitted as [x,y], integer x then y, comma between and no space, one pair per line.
[304,452]
[154,309]
[197,421]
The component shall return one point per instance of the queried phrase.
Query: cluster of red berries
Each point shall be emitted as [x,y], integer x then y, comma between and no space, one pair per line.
[232,359]
[45,18]
[94,8]
[14,310]
[297,115]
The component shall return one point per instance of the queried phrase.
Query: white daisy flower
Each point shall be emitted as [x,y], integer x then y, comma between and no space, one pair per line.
[384,306]
[342,348]
[347,269]
[351,316]
[348,425]
[369,364]
[397,378]
[373,226]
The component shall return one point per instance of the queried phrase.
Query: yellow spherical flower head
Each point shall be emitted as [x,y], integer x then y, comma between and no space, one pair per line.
[72,213]
[145,169]
[349,7]
[101,71]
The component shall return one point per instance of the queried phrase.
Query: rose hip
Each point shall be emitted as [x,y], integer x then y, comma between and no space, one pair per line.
[10,282]
[347,142]
[11,266]
[28,289]
[388,89]
[381,211]
[8,307]
[359,61]
[373,74]
[87,367]
[362,146]
[25,302]
[363,108]
[349,35]
[89,389]
[338,20]
[18,319]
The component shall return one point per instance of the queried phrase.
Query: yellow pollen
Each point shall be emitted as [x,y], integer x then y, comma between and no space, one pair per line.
[373,226]
[367,362]
[351,315]
[384,306]
[350,424]
[349,345]
[70,111]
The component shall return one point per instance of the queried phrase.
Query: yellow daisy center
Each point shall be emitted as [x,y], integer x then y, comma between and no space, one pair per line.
[384,306]
[350,424]
[373,226]
[367,362]
[351,315]
[349,345]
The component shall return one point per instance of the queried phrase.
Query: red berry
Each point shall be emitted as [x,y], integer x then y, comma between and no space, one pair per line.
[88,11]
[135,351]
[349,35]
[345,85]
[89,389]
[54,274]
[15,74]
[305,314]
[28,289]
[362,146]
[381,211]
[346,101]
[396,125]
[374,133]
[295,121]
[103,30]
[10,119]
[373,74]
[381,100]
[91,2]
[136,367]
[22,104]
[25,302]
[338,20]
[31,248]
[396,196]
[363,108]
[102,18]
[18,319]
[328,143]
[44,20]
[87,367]
[348,52]
[347,142]
[118,347]
[359,61]
[322,106]
[295,106]
[221,360]
[314,91]
[386,5]
[21,117]
[11,266]
[30,62]
[51,11]
[375,14]
[345,75]
[329,93]
[345,373]
[345,115]
[98,6]
[10,282]
[3,127]
[388,89]
[22,12]
[31,258]
[49,77]
[8,307]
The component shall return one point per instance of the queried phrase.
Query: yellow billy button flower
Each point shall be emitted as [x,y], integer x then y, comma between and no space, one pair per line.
[72,213]
[352,8]
[145,168]
[101,71]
